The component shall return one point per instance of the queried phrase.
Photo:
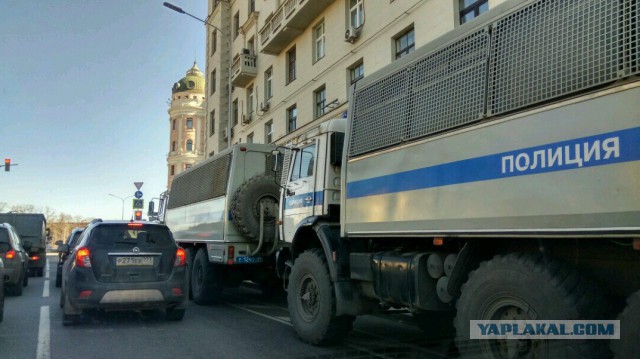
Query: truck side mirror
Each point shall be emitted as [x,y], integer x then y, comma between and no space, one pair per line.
[152,206]
[58,242]
[336,143]
[277,161]
[63,248]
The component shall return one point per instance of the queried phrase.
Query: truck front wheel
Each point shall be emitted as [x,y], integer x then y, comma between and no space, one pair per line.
[521,286]
[312,301]
[206,285]
[628,346]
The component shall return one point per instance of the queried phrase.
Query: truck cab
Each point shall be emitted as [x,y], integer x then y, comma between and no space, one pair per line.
[311,178]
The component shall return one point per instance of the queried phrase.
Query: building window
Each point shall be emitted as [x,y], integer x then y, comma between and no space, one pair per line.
[212,86]
[212,123]
[320,99]
[173,170]
[318,38]
[356,12]
[234,112]
[252,6]
[189,145]
[190,124]
[291,65]
[250,138]
[214,42]
[173,126]
[356,72]
[268,89]
[236,25]
[250,101]
[268,132]
[187,166]
[405,44]
[470,9]
[173,146]
[292,116]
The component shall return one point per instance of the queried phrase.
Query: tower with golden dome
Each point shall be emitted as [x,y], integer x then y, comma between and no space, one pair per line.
[187,126]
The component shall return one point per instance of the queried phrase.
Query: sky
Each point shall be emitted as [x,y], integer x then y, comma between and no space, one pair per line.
[84,95]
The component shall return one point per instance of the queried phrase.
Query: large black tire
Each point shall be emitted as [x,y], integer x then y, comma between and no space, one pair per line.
[191,254]
[628,346]
[58,277]
[312,301]
[527,287]
[206,283]
[70,315]
[15,290]
[245,207]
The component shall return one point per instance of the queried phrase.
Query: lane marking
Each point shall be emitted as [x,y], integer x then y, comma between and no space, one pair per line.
[44,334]
[45,290]
[277,319]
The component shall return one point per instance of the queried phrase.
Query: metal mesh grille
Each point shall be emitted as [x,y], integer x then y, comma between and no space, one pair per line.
[201,183]
[380,112]
[285,165]
[449,86]
[542,51]
[553,48]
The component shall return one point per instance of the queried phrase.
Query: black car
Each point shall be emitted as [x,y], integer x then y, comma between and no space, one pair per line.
[72,240]
[15,258]
[121,265]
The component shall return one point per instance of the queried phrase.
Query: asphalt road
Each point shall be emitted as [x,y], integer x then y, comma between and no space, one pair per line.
[244,325]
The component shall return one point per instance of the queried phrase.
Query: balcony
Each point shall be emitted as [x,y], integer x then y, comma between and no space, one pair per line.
[243,70]
[288,22]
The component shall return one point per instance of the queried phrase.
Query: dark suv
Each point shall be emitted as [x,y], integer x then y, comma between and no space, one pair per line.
[72,240]
[124,266]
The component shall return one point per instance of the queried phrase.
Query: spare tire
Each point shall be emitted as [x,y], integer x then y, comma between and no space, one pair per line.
[245,207]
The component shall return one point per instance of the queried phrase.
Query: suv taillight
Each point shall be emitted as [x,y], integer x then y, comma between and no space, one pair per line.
[10,254]
[181,258]
[82,258]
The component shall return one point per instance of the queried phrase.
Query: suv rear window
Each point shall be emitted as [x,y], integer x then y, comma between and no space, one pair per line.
[4,236]
[145,236]
[74,239]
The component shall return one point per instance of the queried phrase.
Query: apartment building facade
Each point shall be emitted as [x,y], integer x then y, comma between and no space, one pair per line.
[291,62]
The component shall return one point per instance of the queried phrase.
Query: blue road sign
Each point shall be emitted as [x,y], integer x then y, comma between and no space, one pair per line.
[138,203]
[138,194]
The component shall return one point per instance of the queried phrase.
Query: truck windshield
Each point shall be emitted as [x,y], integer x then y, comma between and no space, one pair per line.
[304,163]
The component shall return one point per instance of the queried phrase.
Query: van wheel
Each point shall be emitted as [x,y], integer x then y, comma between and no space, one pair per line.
[312,301]
[70,315]
[206,283]
[245,207]
[15,290]
[25,280]
[628,345]
[521,286]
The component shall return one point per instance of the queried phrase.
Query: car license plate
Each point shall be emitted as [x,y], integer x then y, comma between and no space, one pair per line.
[249,259]
[134,261]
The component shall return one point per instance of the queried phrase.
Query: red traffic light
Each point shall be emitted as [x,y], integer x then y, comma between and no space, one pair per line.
[137,215]
[7,164]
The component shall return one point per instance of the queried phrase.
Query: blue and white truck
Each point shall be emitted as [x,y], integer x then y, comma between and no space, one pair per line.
[491,174]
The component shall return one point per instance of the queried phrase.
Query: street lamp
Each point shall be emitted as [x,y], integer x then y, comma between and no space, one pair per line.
[122,199]
[228,40]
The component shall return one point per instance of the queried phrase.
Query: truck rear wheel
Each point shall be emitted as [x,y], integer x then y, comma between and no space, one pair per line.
[312,301]
[245,207]
[206,285]
[191,254]
[527,287]
[628,345]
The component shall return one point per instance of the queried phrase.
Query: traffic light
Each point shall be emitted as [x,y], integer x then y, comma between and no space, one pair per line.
[137,215]
[7,164]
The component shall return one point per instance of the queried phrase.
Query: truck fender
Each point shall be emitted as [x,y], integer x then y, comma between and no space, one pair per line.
[314,232]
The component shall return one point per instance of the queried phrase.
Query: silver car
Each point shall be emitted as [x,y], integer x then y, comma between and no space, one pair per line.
[15,259]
